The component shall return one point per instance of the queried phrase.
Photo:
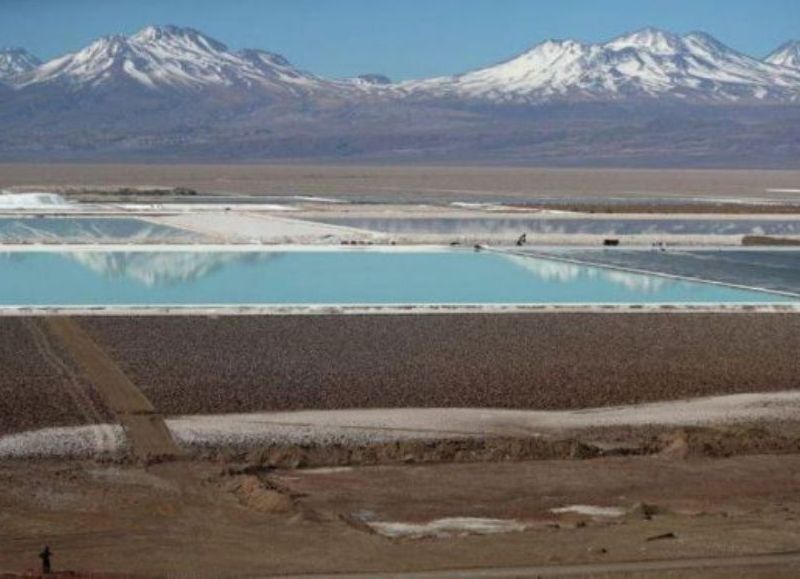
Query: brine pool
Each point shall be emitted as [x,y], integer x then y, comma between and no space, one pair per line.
[109,278]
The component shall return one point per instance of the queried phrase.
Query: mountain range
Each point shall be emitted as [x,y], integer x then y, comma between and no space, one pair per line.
[171,92]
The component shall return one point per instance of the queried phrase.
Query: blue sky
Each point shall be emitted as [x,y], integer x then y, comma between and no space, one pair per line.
[400,38]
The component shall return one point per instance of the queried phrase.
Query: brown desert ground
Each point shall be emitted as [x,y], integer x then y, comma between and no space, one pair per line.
[205,520]
[546,361]
[689,503]
[411,183]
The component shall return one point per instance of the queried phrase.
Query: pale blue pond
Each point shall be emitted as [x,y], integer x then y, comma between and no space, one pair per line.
[108,278]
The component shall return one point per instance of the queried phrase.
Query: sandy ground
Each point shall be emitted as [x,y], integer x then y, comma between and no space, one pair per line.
[407,183]
[202,520]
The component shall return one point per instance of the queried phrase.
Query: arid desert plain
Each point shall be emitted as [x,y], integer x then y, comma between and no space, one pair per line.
[375,371]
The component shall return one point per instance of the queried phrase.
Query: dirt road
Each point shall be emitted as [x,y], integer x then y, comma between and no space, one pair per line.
[147,433]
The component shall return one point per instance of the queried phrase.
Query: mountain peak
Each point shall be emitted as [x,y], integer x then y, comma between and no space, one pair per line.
[787,54]
[173,59]
[651,39]
[15,61]
[157,30]
[171,34]
[557,44]
[549,51]
[645,64]
[374,79]
[14,50]
[648,32]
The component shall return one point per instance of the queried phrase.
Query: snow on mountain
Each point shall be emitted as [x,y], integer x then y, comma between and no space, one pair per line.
[275,68]
[645,64]
[16,61]
[787,55]
[651,39]
[169,57]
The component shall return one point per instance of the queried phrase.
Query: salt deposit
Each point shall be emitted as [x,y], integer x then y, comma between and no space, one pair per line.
[592,511]
[384,425]
[388,425]
[242,227]
[31,200]
[75,441]
[449,527]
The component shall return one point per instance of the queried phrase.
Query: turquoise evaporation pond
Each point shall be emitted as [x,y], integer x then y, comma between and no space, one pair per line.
[142,278]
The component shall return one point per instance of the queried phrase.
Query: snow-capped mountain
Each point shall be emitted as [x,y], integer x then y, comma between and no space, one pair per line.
[174,93]
[650,63]
[16,61]
[787,55]
[173,58]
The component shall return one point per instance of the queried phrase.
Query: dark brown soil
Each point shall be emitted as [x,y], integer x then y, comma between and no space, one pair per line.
[39,385]
[188,365]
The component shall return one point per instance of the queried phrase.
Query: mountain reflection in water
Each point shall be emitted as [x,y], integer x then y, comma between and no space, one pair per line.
[158,269]
[563,272]
[280,276]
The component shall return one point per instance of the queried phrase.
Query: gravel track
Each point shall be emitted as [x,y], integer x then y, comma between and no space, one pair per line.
[194,365]
[145,428]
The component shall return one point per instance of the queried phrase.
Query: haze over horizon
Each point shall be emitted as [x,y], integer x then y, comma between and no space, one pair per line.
[406,40]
